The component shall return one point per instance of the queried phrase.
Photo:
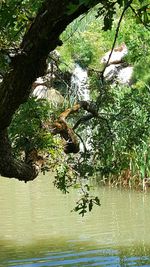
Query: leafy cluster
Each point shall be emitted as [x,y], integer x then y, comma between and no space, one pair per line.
[120,134]
[65,176]
[15,19]
[86,202]
[121,137]
[26,131]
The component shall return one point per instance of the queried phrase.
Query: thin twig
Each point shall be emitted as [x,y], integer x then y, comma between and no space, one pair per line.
[146,26]
[84,146]
[75,30]
[83,120]
[116,36]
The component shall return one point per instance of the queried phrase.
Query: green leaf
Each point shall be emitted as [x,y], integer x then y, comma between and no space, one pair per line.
[146,19]
[97,201]
[90,205]
[142,170]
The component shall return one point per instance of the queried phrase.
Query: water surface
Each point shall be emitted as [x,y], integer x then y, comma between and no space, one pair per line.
[37,228]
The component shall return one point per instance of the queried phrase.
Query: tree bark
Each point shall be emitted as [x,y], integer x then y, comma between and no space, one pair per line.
[11,167]
[67,133]
[28,64]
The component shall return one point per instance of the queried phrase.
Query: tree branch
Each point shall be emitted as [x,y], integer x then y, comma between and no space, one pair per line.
[11,167]
[136,14]
[29,63]
[116,36]
[67,133]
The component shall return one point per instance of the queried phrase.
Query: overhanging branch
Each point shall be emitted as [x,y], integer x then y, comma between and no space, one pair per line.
[10,167]
[29,63]
[67,133]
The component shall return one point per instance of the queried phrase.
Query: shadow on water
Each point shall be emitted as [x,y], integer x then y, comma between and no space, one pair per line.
[37,228]
[44,255]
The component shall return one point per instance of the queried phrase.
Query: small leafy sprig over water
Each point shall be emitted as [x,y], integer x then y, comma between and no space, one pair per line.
[86,202]
[67,177]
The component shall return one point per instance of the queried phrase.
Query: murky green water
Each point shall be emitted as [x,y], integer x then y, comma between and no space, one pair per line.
[37,228]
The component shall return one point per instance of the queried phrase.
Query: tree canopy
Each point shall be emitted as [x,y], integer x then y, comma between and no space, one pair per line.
[30,31]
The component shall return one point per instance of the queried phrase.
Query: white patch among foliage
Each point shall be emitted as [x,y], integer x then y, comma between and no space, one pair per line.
[118,71]
[117,55]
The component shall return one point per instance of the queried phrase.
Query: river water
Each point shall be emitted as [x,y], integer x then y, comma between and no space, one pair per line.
[37,228]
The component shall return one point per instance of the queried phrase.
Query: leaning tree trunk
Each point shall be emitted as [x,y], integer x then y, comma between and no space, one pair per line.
[11,167]
[28,64]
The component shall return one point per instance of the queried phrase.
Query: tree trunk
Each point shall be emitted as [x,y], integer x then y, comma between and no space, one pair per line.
[28,64]
[11,167]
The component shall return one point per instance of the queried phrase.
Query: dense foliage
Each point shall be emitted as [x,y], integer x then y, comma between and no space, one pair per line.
[120,141]
[120,144]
